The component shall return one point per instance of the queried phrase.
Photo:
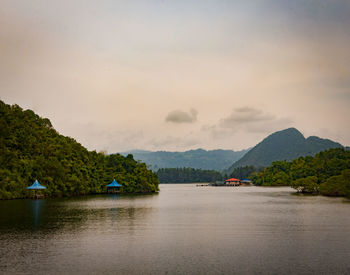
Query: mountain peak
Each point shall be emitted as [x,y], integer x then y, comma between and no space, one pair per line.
[287,144]
[288,132]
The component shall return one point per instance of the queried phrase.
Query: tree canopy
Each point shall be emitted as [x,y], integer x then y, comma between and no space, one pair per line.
[30,148]
[327,173]
[244,172]
[183,175]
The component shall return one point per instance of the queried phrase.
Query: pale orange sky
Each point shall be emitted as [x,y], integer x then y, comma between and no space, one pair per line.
[178,75]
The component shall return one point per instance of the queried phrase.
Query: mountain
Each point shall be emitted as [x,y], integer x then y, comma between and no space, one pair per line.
[287,144]
[199,159]
[30,148]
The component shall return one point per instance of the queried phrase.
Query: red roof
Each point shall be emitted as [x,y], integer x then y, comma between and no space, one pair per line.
[232,179]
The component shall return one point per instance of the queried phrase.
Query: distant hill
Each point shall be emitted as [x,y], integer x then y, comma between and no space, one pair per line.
[288,144]
[199,159]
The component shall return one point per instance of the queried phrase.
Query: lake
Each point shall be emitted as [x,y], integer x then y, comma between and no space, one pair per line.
[182,230]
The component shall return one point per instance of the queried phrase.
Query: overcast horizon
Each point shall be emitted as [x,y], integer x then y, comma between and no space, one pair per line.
[179,75]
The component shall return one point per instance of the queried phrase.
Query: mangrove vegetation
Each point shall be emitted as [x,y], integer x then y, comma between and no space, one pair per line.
[327,173]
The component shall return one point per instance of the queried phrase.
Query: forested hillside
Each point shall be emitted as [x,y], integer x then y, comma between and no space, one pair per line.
[183,175]
[327,173]
[30,148]
[199,158]
[287,145]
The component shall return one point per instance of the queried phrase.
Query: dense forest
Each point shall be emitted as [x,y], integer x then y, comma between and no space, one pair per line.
[327,173]
[244,172]
[30,148]
[183,175]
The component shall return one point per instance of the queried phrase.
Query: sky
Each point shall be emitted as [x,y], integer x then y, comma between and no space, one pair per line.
[179,75]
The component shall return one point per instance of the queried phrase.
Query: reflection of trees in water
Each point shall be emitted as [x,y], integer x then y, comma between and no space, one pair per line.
[21,214]
[36,207]
[110,212]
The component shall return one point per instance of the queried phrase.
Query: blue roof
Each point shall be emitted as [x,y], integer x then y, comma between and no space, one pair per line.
[114,184]
[245,180]
[36,185]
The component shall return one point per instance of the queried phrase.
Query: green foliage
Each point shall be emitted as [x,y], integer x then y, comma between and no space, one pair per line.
[337,185]
[31,149]
[275,175]
[182,175]
[328,173]
[244,172]
[306,185]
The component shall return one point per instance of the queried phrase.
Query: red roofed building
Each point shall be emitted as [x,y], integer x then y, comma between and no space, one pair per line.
[233,181]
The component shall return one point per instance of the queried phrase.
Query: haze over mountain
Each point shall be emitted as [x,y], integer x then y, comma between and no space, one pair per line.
[287,144]
[199,158]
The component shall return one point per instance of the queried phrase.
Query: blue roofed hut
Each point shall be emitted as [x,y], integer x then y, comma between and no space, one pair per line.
[113,187]
[246,182]
[36,186]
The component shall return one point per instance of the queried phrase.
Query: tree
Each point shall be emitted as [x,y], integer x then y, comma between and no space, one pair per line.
[243,172]
[337,185]
[306,185]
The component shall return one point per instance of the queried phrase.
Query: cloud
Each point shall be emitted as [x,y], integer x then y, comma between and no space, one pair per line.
[179,116]
[245,115]
[248,120]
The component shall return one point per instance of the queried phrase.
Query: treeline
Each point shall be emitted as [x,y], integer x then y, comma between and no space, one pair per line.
[30,148]
[327,173]
[187,175]
[183,175]
[245,172]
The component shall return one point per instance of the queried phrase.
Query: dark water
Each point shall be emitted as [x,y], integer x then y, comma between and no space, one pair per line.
[183,230]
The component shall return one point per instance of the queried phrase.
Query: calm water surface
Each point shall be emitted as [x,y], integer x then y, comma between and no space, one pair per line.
[183,230]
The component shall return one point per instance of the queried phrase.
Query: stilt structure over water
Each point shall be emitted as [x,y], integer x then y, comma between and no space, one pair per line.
[233,182]
[113,187]
[246,182]
[36,186]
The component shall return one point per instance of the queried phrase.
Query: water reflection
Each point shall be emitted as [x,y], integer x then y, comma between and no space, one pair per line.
[36,208]
[72,214]
[113,196]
